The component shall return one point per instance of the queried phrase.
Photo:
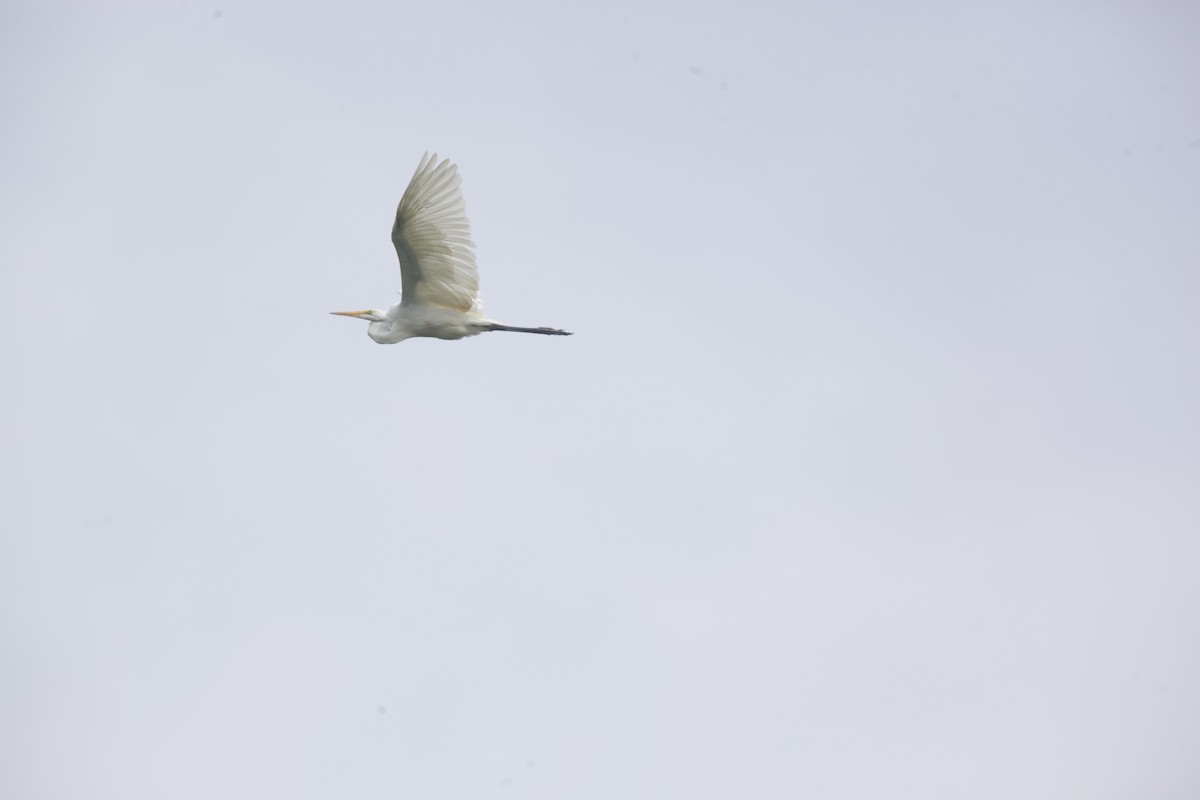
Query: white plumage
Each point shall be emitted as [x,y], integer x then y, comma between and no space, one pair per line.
[439,279]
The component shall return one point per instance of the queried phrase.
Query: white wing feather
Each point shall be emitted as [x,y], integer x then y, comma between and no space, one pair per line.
[433,240]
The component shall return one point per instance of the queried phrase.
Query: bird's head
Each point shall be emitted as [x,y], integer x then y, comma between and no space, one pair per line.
[369,314]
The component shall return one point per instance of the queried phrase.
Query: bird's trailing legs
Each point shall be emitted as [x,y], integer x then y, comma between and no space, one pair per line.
[547,331]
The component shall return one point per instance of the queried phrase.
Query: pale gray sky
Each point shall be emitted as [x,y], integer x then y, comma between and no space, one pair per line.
[871,470]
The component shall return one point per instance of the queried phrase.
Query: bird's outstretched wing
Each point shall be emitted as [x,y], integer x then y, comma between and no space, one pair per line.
[433,239]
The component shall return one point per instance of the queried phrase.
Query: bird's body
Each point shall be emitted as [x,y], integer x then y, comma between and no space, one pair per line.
[408,321]
[440,296]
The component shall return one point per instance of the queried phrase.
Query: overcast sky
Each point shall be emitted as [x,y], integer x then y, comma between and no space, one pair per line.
[872,470]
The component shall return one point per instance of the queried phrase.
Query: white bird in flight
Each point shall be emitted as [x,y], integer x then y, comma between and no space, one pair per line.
[439,280]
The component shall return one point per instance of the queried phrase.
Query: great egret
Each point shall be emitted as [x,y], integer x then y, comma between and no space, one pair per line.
[439,281]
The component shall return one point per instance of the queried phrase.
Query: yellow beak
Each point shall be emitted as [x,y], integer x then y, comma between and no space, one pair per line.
[360,314]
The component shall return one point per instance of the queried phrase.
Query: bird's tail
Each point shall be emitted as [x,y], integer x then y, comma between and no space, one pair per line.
[496,326]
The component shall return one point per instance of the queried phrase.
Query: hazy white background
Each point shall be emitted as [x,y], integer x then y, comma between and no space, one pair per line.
[872,470]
